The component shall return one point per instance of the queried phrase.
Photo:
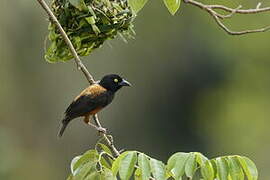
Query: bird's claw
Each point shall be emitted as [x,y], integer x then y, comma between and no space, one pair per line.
[102,130]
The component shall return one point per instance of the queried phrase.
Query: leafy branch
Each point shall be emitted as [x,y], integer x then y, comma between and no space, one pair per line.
[88,23]
[174,5]
[99,164]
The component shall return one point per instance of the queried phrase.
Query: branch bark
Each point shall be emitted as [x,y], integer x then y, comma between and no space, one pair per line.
[80,66]
[211,9]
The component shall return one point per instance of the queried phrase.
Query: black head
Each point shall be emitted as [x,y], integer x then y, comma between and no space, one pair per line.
[113,82]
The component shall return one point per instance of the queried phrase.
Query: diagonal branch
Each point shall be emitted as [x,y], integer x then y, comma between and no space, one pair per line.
[80,66]
[211,9]
[241,11]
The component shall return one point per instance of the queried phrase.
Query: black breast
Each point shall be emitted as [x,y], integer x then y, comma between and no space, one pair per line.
[109,98]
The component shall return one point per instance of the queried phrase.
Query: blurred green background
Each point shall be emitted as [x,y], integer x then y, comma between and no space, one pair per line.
[195,89]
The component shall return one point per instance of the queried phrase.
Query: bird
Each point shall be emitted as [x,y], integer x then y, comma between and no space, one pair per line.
[92,100]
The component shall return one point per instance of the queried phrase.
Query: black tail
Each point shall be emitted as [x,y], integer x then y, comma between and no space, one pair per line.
[63,126]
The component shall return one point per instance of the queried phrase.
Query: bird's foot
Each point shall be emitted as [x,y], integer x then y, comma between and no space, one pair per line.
[102,130]
[99,129]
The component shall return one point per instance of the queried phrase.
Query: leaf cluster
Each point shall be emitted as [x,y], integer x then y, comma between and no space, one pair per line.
[88,23]
[99,164]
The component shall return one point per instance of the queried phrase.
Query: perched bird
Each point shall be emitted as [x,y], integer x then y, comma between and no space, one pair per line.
[93,99]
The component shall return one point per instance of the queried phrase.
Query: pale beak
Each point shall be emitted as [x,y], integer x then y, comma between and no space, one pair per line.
[124,83]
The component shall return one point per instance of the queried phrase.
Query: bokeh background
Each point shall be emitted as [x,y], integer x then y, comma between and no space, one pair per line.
[195,89]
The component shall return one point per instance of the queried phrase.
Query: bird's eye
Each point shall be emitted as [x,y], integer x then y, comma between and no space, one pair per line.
[115,80]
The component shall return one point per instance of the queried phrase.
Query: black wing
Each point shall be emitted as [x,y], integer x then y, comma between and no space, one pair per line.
[85,104]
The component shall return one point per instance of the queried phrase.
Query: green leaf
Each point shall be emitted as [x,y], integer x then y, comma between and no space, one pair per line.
[137,5]
[90,20]
[84,170]
[105,148]
[207,171]
[172,5]
[127,165]
[107,175]
[117,162]
[95,29]
[236,171]
[222,168]
[77,42]
[157,169]
[90,9]
[249,168]
[191,165]
[144,165]
[93,176]
[214,165]
[50,51]
[105,163]
[79,4]
[200,158]
[176,164]
[73,162]
[89,156]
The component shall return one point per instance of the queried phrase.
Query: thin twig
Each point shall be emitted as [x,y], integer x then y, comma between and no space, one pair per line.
[240,11]
[211,9]
[80,66]
[108,138]
[229,15]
